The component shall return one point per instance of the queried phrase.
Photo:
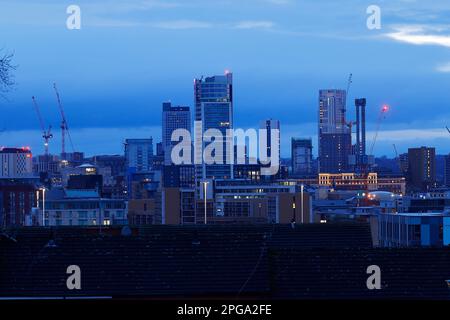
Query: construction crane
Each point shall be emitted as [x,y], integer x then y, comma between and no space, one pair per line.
[397,157]
[447,129]
[349,83]
[64,127]
[395,150]
[381,117]
[46,134]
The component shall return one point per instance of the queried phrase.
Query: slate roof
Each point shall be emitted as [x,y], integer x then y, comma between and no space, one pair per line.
[262,261]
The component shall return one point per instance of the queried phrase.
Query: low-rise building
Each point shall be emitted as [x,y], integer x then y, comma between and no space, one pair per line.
[17,198]
[414,229]
[69,207]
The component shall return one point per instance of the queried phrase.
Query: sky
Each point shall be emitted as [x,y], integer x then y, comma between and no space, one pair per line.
[130,56]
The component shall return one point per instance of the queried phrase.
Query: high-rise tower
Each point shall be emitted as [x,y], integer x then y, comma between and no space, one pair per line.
[213,110]
[334,134]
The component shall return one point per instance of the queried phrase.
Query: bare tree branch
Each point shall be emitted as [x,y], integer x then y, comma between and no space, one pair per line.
[6,76]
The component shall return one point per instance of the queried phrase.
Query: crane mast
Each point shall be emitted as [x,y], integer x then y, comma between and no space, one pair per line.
[381,117]
[46,134]
[64,127]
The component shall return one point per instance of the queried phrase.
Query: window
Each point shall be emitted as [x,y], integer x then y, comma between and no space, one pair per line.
[82,214]
[416,232]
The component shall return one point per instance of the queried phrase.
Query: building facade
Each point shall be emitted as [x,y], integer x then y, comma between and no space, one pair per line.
[173,118]
[64,207]
[447,171]
[16,163]
[213,110]
[17,198]
[414,230]
[139,155]
[270,125]
[334,134]
[301,156]
[421,169]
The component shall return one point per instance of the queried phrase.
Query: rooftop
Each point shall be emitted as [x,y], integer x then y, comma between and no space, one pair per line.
[261,261]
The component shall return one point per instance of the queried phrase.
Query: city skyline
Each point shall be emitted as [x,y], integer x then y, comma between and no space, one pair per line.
[254,152]
[280,56]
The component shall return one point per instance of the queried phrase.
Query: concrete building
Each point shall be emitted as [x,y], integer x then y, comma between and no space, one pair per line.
[360,161]
[16,163]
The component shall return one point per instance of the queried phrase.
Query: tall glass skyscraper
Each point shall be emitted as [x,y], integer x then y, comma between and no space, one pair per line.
[173,117]
[335,139]
[214,110]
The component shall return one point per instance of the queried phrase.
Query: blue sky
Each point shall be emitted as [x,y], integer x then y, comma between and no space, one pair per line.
[129,57]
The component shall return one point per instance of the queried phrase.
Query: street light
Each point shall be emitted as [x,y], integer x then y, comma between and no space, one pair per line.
[205,184]
[43,206]
[302,187]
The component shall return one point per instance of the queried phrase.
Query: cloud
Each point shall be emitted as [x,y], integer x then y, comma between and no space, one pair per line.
[169,24]
[443,67]
[151,4]
[421,35]
[115,6]
[254,25]
[183,24]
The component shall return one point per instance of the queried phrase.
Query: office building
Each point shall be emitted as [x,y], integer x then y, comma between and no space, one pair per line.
[173,118]
[421,169]
[179,176]
[301,156]
[447,171]
[139,155]
[214,110]
[334,133]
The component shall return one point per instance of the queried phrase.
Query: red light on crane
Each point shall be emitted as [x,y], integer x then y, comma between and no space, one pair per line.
[385,108]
